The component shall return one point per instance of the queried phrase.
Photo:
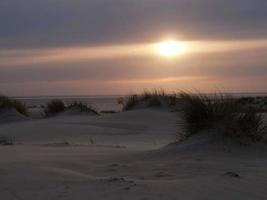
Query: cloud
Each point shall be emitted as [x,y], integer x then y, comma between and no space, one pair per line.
[37,23]
[79,54]
[218,65]
[82,46]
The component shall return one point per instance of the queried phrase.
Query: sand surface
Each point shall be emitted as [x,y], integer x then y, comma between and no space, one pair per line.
[125,156]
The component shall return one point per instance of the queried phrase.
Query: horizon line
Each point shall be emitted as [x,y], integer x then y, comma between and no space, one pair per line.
[92,95]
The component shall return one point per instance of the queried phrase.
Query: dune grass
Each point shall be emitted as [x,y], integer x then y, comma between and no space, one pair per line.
[150,98]
[6,102]
[221,112]
[6,140]
[54,107]
[150,94]
[131,102]
[83,107]
[259,103]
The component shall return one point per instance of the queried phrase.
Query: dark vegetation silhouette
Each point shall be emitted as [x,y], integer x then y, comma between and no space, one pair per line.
[54,107]
[221,112]
[82,107]
[9,103]
[149,98]
[57,106]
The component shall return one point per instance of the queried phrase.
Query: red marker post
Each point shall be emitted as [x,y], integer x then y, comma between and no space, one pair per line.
[120,100]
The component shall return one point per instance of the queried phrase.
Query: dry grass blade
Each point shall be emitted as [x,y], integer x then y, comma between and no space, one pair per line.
[83,107]
[150,98]
[131,102]
[54,106]
[220,112]
[6,102]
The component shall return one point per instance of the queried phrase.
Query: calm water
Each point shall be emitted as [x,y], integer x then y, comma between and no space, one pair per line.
[99,102]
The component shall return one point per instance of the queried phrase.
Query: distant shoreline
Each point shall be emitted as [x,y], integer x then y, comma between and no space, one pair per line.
[254,94]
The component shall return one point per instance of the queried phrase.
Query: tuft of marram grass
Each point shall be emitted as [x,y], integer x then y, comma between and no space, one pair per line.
[150,98]
[222,112]
[6,140]
[131,102]
[149,94]
[247,123]
[6,102]
[154,102]
[55,106]
[83,107]
[259,103]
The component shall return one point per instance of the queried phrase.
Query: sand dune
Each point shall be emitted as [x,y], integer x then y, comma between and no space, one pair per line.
[126,155]
[10,115]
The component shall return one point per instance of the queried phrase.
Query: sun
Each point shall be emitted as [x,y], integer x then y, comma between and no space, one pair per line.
[170,48]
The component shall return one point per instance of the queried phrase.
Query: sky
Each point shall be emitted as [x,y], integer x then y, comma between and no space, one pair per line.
[93,47]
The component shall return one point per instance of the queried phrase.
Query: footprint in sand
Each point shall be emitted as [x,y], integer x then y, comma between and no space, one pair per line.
[117,165]
[116,179]
[111,170]
[232,174]
[130,183]
[141,177]
[162,174]
[113,167]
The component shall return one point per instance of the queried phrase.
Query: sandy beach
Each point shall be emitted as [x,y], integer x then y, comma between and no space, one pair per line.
[133,100]
[127,155]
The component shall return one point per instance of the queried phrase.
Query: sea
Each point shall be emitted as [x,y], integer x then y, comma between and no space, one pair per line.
[99,102]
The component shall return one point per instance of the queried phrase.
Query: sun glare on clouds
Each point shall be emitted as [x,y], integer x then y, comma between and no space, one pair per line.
[170,48]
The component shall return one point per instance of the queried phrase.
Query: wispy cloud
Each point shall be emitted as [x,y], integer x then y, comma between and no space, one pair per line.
[102,46]
[50,23]
[158,80]
[79,54]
